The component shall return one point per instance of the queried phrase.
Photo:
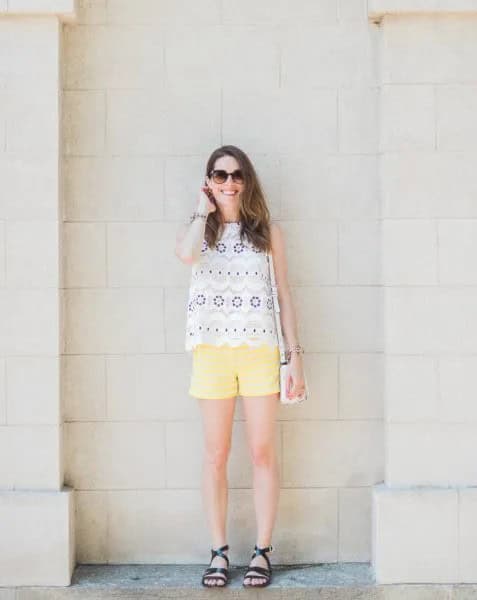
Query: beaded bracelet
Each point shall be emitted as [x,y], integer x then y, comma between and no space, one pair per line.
[198,215]
[297,349]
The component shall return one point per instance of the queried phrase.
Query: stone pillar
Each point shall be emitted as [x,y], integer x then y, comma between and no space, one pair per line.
[425,513]
[36,509]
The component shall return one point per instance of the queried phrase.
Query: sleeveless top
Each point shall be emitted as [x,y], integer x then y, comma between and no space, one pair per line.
[230,296]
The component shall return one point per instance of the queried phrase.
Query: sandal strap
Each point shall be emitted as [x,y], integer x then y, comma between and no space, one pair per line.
[211,570]
[220,552]
[264,572]
[261,552]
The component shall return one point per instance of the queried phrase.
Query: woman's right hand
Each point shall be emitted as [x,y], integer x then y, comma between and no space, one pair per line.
[206,200]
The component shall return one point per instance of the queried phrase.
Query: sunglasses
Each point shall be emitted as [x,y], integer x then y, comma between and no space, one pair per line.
[221,176]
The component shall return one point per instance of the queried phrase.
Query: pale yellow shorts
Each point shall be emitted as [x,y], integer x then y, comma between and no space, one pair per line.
[225,371]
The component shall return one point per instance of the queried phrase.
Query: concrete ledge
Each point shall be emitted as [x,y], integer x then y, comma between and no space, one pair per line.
[65,10]
[348,581]
[37,541]
[378,8]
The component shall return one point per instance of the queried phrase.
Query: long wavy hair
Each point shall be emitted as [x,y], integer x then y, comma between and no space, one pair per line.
[254,213]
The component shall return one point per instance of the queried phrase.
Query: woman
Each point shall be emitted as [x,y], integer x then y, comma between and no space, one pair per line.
[232,334]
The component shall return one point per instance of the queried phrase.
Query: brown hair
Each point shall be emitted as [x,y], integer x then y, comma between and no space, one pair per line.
[254,213]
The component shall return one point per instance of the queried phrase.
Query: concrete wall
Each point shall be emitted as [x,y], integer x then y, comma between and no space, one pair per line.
[150,89]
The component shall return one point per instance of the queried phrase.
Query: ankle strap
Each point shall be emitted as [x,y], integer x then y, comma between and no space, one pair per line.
[262,550]
[219,551]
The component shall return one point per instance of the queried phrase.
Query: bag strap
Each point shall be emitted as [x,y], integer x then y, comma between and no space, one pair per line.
[276,307]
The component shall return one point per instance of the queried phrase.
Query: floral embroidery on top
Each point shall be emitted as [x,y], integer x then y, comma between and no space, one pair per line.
[230,300]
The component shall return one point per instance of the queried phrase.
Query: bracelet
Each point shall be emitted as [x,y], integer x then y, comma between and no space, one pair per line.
[198,215]
[296,348]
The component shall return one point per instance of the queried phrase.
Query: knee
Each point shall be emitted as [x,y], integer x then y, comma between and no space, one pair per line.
[263,455]
[216,457]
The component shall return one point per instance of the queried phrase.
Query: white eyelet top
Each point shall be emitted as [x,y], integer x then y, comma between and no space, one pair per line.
[230,297]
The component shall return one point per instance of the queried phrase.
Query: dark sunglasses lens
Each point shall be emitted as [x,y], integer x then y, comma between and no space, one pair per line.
[237,176]
[219,176]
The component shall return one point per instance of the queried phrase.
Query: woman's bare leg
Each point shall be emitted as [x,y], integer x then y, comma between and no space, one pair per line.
[260,414]
[217,421]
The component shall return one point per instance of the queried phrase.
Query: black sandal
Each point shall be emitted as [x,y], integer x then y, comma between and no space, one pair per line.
[208,573]
[259,572]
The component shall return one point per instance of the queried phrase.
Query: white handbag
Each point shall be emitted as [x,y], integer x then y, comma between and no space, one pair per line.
[284,399]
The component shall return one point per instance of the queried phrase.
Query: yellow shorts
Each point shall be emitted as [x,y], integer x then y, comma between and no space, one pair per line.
[225,371]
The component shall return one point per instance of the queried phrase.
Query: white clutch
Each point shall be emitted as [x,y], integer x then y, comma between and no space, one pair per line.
[284,399]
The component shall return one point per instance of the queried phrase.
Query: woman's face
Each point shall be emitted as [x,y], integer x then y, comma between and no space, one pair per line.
[227,194]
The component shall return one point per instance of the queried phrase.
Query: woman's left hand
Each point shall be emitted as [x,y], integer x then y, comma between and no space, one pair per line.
[295,377]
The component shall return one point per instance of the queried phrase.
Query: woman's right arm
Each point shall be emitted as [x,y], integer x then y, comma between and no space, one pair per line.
[190,237]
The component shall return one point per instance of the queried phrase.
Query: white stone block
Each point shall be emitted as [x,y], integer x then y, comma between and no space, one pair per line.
[326,324]
[322,377]
[352,10]
[91,526]
[3,392]
[84,114]
[33,390]
[27,520]
[161,123]
[175,318]
[163,12]
[158,385]
[84,388]
[113,188]
[429,184]
[154,526]
[311,249]
[408,118]
[359,252]
[37,458]
[355,513]
[308,526]
[251,118]
[361,386]
[100,57]
[188,53]
[111,455]
[458,389]
[358,109]
[456,117]
[411,389]
[467,519]
[114,321]
[2,255]
[142,254]
[339,453]
[85,255]
[378,7]
[429,48]
[457,251]
[329,186]
[35,45]
[32,120]
[29,322]
[27,269]
[409,252]
[91,12]
[183,178]
[415,535]
[429,320]
[31,184]
[341,54]
[266,13]
[420,454]
[64,8]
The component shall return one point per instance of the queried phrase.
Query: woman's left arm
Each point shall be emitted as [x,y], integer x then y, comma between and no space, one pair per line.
[295,378]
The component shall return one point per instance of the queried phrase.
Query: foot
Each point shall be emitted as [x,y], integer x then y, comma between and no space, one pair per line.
[217,579]
[261,578]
